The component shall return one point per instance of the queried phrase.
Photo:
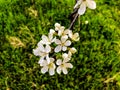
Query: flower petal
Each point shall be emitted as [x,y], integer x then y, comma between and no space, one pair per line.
[64,48]
[91,4]
[70,34]
[44,69]
[59,69]
[76,34]
[53,40]
[41,60]
[64,38]
[60,32]
[48,59]
[57,26]
[68,43]
[62,28]
[64,70]
[82,9]
[44,39]
[40,46]
[59,62]
[66,60]
[57,41]
[65,55]
[36,52]
[68,65]
[77,4]
[69,54]
[51,71]
[47,49]
[76,37]
[58,48]
[53,65]
[73,50]
[52,59]
[52,31]
[67,31]
[43,63]
[50,37]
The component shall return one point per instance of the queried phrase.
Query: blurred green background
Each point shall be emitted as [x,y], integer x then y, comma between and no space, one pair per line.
[96,63]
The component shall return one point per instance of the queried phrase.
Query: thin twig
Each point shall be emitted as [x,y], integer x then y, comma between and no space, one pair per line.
[72,23]
[73,17]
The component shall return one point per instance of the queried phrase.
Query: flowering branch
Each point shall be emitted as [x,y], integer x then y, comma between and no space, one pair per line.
[55,49]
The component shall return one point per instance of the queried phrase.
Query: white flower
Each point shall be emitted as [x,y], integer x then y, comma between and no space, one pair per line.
[65,32]
[61,29]
[71,51]
[48,66]
[82,4]
[62,44]
[52,31]
[63,65]
[43,52]
[74,37]
[49,39]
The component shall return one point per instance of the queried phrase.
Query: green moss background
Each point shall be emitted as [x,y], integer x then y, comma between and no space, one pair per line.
[96,63]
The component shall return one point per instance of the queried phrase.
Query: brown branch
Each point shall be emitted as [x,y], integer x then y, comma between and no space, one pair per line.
[73,21]
[73,17]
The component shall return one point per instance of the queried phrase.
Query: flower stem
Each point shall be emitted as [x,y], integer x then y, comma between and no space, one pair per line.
[73,17]
[72,23]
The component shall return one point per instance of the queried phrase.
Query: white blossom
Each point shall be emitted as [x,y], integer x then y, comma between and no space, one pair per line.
[52,32]
[65,32]
[63,65]
[71,51]
[82,4]
[48,67]
[48,39]
[74,37]
[61,29]
[43,52]
[62,44]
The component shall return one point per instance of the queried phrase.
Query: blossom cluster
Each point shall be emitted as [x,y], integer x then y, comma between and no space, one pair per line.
[55,50]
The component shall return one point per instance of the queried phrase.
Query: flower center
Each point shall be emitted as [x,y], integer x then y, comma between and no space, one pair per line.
[50,65]
[62,65]
[62,44]
[44,54]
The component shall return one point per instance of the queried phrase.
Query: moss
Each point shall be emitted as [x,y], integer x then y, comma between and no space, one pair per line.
[96,60]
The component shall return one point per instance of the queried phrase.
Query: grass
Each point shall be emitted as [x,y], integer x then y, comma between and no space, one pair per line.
[96,63]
